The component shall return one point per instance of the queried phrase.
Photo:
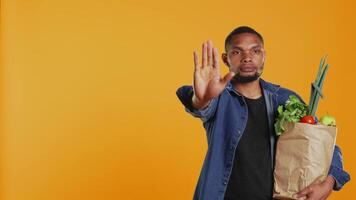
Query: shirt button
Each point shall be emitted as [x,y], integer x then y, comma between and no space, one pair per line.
[225,182]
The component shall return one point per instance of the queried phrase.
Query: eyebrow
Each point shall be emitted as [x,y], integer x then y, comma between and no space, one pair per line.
[253,46]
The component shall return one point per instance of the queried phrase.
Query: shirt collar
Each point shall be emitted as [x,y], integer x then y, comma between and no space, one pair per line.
[264,85]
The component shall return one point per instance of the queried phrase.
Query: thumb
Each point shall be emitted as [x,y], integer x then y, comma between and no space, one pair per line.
[228,77]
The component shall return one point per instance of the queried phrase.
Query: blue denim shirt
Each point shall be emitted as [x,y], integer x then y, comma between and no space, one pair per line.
[224,121]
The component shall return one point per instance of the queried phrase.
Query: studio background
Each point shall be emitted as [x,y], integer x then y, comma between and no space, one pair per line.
[87,91]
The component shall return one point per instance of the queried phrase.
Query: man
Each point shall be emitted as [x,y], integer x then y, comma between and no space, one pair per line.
[238,113]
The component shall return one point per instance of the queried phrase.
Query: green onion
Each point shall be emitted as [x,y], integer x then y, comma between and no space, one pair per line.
[317,86]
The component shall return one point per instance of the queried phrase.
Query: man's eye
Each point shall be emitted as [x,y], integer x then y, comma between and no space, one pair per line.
[235,52]
[256,51]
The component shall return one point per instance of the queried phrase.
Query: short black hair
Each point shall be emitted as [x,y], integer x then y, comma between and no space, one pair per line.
[240,30]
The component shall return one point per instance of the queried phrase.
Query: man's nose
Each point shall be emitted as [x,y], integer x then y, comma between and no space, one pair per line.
[246,59]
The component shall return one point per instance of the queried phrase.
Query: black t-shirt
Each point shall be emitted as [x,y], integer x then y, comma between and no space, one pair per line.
[252,175]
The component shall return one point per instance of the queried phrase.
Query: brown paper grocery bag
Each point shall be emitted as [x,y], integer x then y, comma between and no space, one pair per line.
[303,156]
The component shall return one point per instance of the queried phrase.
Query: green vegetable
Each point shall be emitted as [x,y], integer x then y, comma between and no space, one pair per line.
[292,111]
[317,86]
[328,120]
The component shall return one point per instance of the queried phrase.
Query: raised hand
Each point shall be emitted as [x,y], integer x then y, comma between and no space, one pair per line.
[208,83]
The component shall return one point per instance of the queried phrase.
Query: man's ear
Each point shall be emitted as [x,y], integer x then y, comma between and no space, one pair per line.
[224,59]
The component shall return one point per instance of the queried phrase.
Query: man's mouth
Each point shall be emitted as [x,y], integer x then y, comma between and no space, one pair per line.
[247,68]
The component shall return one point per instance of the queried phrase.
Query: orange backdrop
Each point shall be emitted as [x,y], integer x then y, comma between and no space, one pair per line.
[88,104]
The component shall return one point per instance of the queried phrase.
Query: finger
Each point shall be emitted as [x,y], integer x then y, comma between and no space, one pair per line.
[196,61]
[304,192]
[216,58]
[210,53]
[204,62]
[228,77]
[311,197]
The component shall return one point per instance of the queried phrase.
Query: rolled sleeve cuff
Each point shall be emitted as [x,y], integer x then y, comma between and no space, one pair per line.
[199,112]
[340,176]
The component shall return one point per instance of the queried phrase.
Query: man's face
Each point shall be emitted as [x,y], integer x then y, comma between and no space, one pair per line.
[245,57]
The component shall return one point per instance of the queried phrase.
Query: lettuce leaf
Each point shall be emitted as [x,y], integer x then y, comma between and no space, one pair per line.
[292,111]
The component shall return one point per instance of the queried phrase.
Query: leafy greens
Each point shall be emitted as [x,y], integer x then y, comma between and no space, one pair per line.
[292,111]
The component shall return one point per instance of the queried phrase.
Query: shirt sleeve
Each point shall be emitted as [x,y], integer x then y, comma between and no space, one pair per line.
[185,94]
[336,170]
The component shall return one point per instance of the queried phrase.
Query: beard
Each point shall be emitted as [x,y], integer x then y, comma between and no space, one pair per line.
[246,79]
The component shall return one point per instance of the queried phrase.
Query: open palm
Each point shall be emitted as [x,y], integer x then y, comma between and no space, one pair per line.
[208,82]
